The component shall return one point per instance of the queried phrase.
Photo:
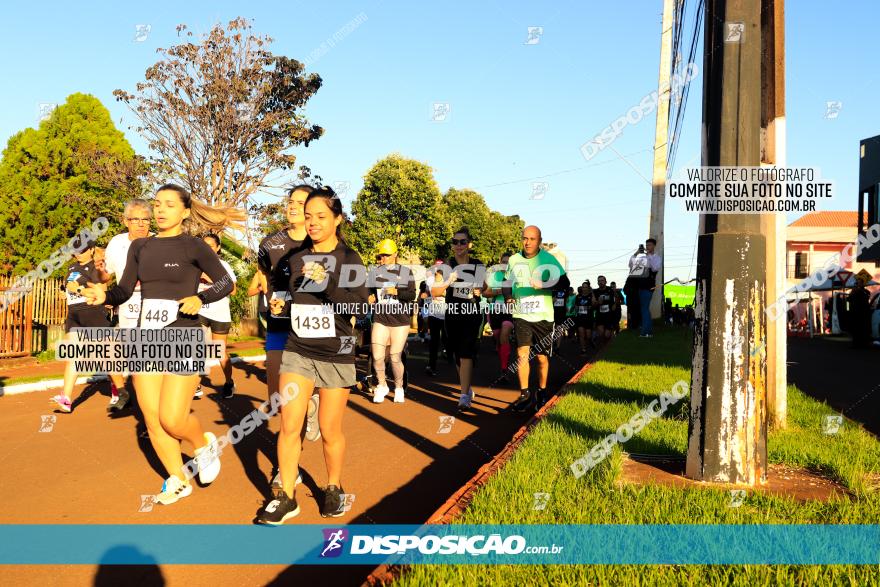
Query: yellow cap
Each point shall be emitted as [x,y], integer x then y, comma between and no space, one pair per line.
[387,247]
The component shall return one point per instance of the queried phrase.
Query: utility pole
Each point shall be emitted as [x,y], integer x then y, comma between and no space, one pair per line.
[773,153]
[661,150]
[728,423]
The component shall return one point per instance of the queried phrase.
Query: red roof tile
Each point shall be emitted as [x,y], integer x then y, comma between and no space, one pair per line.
[835,218]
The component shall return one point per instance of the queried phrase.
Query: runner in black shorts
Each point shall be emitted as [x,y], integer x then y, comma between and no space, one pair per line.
[81,272]
[583,305]
[618,307]
[500,319]
[604,302]
[320,353]
[168,267]
[464,318]
[217,318]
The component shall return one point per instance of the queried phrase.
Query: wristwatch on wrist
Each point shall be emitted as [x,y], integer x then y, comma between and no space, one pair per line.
[201,296]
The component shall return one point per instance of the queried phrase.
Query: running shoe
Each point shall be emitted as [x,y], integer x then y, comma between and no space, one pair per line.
[464,401]
[208,460]
[278,509]
[431,371]
[525,401]
[398,395]
[114,397]
[313,430]
[276,482]
[379,393]
[172,490]
[333,502]
[63,403]
[228,390]
[540,399]
[199,393]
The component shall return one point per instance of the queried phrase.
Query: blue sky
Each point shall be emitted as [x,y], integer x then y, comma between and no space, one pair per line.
[519,112]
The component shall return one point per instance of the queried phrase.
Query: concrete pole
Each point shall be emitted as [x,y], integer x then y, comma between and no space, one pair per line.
[661,151]
[773,154]
[728,422]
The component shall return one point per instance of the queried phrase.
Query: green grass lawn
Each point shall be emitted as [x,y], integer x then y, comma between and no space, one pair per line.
[632,372]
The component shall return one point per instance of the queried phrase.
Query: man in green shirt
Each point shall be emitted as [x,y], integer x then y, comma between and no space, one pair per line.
[532,276]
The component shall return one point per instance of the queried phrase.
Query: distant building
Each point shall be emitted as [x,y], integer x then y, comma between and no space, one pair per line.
[817,236]
[811,240]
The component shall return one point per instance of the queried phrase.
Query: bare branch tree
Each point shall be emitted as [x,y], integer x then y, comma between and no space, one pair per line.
[222,115]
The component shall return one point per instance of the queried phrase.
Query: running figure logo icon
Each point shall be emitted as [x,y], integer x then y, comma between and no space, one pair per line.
[534,37]
[440,111]
[539,190]
[346,345]
[735,32]
[341,188]
[141,32]
[831,424]
[333,541]
[47,423]
[737,497]
[832,109]
[147,502]
[446,423]
[541,501]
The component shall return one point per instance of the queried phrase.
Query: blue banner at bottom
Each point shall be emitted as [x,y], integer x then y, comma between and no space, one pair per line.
[434,544]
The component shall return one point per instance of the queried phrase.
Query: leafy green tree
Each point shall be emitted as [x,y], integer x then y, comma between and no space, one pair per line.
[493,233]
[59,178]
[400,200]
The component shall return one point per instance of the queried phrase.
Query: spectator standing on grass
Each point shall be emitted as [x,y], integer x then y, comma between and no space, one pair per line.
[643,268]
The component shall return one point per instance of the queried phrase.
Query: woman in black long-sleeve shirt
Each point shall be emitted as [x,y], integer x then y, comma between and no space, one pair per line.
[168,267]
[319,353]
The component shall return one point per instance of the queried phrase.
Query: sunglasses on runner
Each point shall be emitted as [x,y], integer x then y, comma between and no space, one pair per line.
[456,241]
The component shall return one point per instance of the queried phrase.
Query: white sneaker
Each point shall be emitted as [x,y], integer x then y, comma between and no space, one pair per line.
[276,482]
[379,394]
[172,490]
[398,395]
[464,401]
[208,460]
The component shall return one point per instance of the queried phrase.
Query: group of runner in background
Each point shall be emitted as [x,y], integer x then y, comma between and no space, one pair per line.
[312,313]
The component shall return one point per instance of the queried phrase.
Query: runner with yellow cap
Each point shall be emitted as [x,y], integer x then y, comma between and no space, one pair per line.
[392,293]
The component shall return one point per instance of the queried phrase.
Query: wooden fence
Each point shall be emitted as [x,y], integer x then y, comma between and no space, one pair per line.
[36,320]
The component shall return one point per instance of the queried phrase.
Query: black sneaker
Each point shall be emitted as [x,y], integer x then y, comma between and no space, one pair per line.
[278,509]
[121,403]
[333,502]
[525,401]
[431,371]
[540,399]
[228,390]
